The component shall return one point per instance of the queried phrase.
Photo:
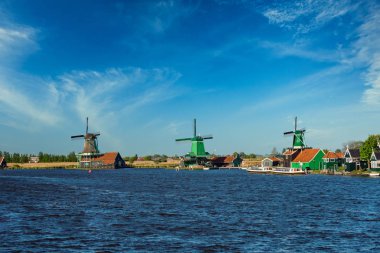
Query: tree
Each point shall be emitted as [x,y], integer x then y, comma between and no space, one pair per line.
[132,158]
[353,144]
[274,151]
[368,146]
[338,150]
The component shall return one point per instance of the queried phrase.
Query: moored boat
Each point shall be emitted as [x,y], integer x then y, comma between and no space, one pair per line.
[374,174]
[259,170]
[288,171]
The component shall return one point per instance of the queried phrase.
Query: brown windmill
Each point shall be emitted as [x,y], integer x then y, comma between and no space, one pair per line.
[90,141]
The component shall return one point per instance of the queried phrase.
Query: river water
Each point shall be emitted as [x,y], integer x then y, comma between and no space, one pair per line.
[156,210]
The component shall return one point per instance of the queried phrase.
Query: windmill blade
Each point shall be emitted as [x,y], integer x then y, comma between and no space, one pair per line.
[96,134]
[87,125]
[295,124]
[77,136]
[288,133]
[206,137]
[302,130]
[183,139]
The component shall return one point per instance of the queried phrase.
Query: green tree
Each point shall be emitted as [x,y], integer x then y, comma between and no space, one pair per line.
[368,146]
[338,150]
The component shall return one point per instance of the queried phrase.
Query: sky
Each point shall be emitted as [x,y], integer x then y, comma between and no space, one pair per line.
[142,70]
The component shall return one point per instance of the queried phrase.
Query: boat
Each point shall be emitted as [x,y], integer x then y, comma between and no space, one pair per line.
[288,171]
[259,170]
[374,174]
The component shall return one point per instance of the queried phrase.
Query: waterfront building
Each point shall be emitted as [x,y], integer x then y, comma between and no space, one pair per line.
[110,160]
[3,163]
[309,159]
[352,160]
[375,161]
[271,162]
[226,161]
[332,161]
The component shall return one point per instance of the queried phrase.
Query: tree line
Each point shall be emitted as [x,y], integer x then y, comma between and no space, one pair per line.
[42,157]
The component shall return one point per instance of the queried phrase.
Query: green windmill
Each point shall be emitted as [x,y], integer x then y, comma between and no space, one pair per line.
[298,136]
[198,154]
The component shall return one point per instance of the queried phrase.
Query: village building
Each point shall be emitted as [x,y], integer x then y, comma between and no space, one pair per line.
[226,161]
[309,159]
[111,160]
[375,160]
[271,162]
[332,161]
[34,159]
[289,156]
[352,160]
[3,163]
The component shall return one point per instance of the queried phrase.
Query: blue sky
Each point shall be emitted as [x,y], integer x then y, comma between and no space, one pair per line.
[142,70]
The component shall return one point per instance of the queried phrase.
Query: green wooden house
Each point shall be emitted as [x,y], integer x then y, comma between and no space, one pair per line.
[309,159]
[332,161]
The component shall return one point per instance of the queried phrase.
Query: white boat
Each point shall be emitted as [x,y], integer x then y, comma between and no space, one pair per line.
[374,174]
[288,171]
[259,170]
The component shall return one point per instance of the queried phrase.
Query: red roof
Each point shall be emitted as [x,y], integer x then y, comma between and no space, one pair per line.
[306,155]
[330,155]
[107,158]
[223,159]
[275,159]
[289,152]
[340,154]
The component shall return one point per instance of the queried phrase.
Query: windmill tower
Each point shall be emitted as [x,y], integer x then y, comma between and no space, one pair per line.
[90,148]
[198,153]
[298,136]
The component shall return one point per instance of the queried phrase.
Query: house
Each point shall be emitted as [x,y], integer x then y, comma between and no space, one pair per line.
[111,160]
[34,159]
[290,155]
[3,163]
[271,162]
[309,159]
[352,160]
[375,160]
[226,161]
[332,161]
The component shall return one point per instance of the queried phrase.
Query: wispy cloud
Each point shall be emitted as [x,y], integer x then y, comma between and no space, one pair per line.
[305,16]
[367,49]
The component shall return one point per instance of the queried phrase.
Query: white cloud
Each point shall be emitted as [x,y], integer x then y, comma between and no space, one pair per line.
[367,50]
[305,16]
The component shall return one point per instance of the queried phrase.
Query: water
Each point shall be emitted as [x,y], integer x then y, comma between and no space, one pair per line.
[142,210]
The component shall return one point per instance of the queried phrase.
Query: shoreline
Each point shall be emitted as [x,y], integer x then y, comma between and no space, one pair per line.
[73,166]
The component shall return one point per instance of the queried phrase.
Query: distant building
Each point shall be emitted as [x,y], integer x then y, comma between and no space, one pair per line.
[352,160]
[375,161]
[332,161]
[3,163]
[271,162]
[111,160]
[34,159]
[289,156]
[226,161]
[309,159]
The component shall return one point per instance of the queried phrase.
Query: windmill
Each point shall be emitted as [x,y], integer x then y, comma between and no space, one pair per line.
[298,136]
[198,152]
[90,141]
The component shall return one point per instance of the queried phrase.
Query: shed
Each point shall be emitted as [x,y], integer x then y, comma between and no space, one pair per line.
[271,162]
[226,161]
[111,160]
